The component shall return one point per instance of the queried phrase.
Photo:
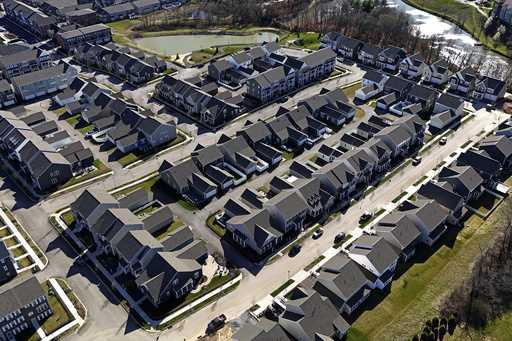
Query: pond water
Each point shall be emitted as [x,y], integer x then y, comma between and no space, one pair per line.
[458,41]
[173,44]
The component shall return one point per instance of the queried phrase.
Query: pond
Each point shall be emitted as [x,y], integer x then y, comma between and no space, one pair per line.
[173,44]
[458,41]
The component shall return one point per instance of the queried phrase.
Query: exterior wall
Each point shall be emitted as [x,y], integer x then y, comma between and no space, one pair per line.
[14,323]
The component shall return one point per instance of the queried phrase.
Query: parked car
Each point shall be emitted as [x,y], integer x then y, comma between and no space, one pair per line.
[443,141]
[318,233]
[339,238]
[365,216]
[216,324]
[416,160]
[295,250]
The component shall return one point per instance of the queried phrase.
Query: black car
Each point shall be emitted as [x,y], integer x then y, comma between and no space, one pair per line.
[216,324]
[295,250]
[339,238]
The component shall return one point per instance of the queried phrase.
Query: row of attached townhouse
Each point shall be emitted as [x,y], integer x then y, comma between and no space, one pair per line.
[16,60]
[237,68]
[8,264]
[215,169]
[289,73]
[212,109]
[335,185]
[27,142]
[119,61]
[7,95]
[30,18]
[43,82]
[165,269]
[124,126]
[393,59]
[346,280]
[128,9]
[94,34]
[22,302]
[469,83]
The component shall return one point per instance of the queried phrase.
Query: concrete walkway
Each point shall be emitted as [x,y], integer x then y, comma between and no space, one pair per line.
[41,264]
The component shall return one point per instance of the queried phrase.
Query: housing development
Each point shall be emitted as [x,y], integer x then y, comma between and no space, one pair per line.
[264,170]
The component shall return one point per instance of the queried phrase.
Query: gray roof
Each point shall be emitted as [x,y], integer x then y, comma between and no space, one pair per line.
[464,179]
[178,238]
[343,277]
[264,330]
[318,57]
[398,229]
[429,212]
[314,316]
[498,147]
[19,293]
[377,250]
[133,242]
[443,196]
[162,216]
[41,75]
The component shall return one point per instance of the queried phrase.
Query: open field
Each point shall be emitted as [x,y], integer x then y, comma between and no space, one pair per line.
[420,284]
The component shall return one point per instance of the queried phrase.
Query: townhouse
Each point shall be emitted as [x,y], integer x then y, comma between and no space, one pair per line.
[30,18]
[118,61]
[19,60]
[463,81]
[498,148]
[488,168]
[22,301]
[82,17]
[7,264]
[437,73]
[390,57]
[503,11]
[7,95]
[369,54]
[94,34]
[164,269]
[377,256]
[448,110]
[290,73]
[343,282]
[210,110]
[330,106]
[489,89]
[444,196]
[43,82]
[400,232]
[372,85]
[413,66]
[115,12]
[45,166]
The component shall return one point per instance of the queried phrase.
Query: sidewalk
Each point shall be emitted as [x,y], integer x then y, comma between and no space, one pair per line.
[63,297]
[12,227]
[117,287]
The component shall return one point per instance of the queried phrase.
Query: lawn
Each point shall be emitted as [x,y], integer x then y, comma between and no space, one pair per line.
[165,232]
[463,15]
[146,185]
[18,251]
[68,218]
[186,205]
[314,262]
[485,203]
[309,40]
[10,241]
[130,158]
[350,90]
[214,226]
[100,169]
[72,297]
[123,26]
[282,287]
[60,316]
[5,232]
[432,273]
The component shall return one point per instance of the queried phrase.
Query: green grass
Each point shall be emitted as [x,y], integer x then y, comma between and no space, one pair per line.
[359,113]
[400,196]
[68,218]
[288,155]
[309,40]
[186,205]
[17,251]
[214,226]
[10,241]
[314,262]
[60,316]
[123,26]
[432,273]
[72,297]
[282,287]
[5,232]
[25,262]
[465,16]
[84,130]
[100,169]
[165,232]
[485,203]
[146,185]
[350,90]
[73,120]
[132,157]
